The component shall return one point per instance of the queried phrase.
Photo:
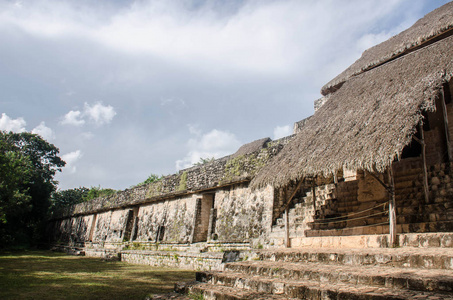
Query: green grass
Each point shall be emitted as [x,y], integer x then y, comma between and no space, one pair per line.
[49,275]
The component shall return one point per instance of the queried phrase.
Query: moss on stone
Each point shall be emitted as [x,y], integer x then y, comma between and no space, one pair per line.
[245,165]
[183,181]
[154,189]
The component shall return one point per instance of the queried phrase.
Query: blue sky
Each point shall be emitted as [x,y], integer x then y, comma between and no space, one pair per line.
[130,88]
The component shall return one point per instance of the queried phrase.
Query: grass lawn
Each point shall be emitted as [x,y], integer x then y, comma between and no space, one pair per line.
[49,275]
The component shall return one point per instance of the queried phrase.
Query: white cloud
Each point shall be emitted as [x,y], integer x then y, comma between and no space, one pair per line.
[44,131]
[73,118]
[71,158]
[99,113]
[14,125]
[87,135]
[282,131]
[215,143]
[257,36]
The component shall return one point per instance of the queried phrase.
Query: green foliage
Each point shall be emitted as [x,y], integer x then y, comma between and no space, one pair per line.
[62,198]
[183,182]
[233,167]
[196,296]
[204,161]
[151,178]
[245,165]
[98,192]
[28,164]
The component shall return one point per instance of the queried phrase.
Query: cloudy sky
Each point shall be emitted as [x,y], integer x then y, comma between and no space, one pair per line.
[129,88]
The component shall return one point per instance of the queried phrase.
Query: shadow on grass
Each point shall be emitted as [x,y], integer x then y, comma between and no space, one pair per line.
[48,275]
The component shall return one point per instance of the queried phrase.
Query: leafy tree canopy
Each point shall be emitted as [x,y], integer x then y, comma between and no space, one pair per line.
[28,165]
[62,198]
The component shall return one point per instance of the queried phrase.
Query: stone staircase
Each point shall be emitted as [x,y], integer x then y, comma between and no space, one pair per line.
[400,273]
[339,213]
[302,213]
[413,213]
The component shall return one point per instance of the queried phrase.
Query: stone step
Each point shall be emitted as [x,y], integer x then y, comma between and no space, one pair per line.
[398,172]
[339,224]
[409,183]
[374,241]
[431,212]
[438,226]
[411,192]
[407,257]
[307,289]
[444,216]
[381,276]
[413,179]
[429,222]
[210,291]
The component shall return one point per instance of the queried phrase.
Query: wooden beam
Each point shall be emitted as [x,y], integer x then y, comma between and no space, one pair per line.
[313,191]
[425,168]
[287,242]
[392,208]
[378,180]
[288,202]
[445,117]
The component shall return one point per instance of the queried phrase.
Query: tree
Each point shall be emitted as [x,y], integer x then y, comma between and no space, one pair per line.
[28,165]
[96,192]
[62,198]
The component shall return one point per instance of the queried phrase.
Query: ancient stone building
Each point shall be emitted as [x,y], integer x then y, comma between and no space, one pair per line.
[371,168]
[206,203]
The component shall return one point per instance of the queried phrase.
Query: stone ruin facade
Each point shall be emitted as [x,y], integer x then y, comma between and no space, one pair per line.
[206,203]
[211,208]
[343,227]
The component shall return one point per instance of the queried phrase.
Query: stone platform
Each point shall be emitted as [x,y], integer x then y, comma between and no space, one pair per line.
[319,273]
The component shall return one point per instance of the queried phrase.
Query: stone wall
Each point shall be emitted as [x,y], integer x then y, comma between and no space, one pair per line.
[72,230]
[218,173]
[243,214]
[174,217]
[175,259]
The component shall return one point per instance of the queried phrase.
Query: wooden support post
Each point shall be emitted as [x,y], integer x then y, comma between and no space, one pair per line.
[392,208]
[288,202]
[286,207]
[445,117]
[313,191]
[287,242]
[425,171]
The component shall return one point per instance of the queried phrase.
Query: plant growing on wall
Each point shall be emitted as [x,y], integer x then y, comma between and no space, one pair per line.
[183,182]
[98,192]
[204,161]
[151,178]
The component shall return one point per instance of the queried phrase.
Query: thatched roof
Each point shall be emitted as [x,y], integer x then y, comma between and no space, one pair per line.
[433,24]
[254,146]
[368,121]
